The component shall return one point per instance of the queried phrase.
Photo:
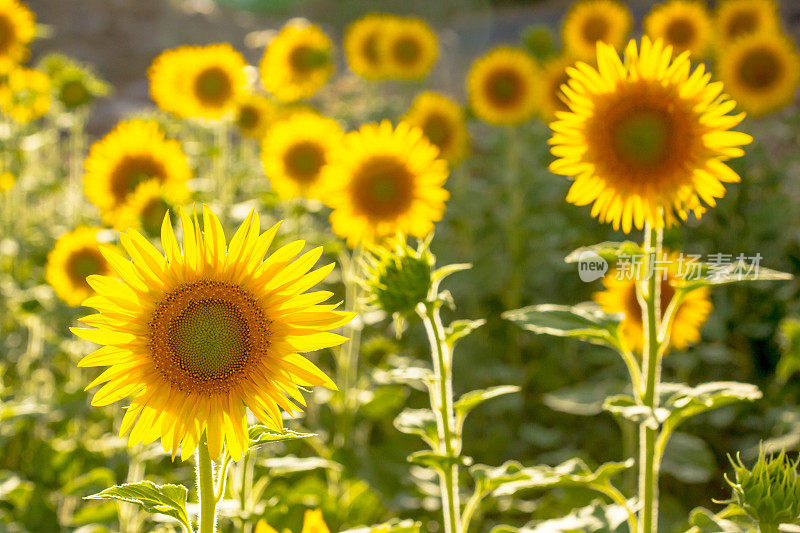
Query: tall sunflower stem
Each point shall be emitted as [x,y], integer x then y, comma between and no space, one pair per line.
[649,293]
[442,405]
[347,362]
[206,491]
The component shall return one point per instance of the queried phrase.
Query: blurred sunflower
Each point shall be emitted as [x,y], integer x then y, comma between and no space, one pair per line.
[199,336]
[592,21]
[74,85]
[381,180]
[134,152]
[254,113]
[684,24]
[313,522]
[504,86]
[75,256]
[691,313]
[17,30]
[761,71]
[362,48]
[144,209]
[198,81]
[443,123]
[7,181]
[737,18]
[646,139]
[408,48]
[553,74]
[297,62]
[25,96]
[294,152]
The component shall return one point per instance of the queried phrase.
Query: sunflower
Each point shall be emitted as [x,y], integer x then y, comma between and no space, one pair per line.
[737,18]
[362,45]
[144,209]
[295,150]
[313,522]
[17,30]
[254,113]
[7,181]
[75,255]
[134,152]
[553,74]
[684,24]
[381,180]
[297,62]
[443,123]
[760,71]
[408,47]
[198,81]
[504,86]
[200,335]
[592,21]
[25,96]
[646,139]
[74,85]
[692,312]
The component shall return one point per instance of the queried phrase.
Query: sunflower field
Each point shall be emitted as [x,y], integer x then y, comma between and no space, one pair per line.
[382,266]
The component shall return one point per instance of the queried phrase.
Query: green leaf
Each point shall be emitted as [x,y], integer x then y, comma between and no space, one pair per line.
[789,343]
[488,478]
[584,321]
[711,275]
[571,473]
[626,407]
[165,499]
[585,399]
[262,435]
[458,329]
[383,402]
[732,519]
[290,464]
[684,402]
[438,461]
[473,399]
[421,422]
[596,517]
[610,251]
[689,459]
[415,376]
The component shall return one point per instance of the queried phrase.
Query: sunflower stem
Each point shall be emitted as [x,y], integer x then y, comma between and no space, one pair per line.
[650,299]
[205,485]
[445,416]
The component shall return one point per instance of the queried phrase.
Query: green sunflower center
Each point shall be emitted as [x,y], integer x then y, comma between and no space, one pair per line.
[406,50]
[152,216]
[132,170]
[743,22]
[759,69]
[248,117]
[84,263]
[304,160]
[680,32]
[643,137]
[437,129]
[74,94]
[305,59]
[504,87]
[382,188]
[595,28]
[369,49]
[213,86]
[7,34]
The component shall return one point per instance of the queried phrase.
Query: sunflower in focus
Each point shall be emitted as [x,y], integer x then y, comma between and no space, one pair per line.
[134,152]
[254,113]
[761,71]
[297,62]
[144,209]
[591,21]
[737,18]
[683,24]
[294,152]
[408,48]
[383,180]
[443,123]
[691,313]
[504,86]
[17,30]
[553,74]
[25,96]
[198,81]
[646,139]
[362,45]
[75,256]
[201,333]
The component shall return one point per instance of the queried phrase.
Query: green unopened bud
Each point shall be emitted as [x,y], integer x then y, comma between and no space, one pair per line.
[769,492]
[538,41]
[400,277]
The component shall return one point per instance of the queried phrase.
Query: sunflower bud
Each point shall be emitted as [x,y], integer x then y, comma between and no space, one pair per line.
[770,492]
[400,277]
[538,40]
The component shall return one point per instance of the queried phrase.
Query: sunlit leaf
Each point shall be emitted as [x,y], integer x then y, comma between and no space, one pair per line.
[571,473]
[262,435]
[610,251]
[596,517]
[169,500]
[437,461]
[458,329]
[421,422]
[689,459]
[584,321]
[489,478]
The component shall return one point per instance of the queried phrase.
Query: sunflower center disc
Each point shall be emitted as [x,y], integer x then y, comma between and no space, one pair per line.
[7,36]
[406,51]
[437,130]
[131,171]
[83,264]
[248,117]
[303,161]
[680,32]
[212,86]
[153,215]
[642,138]
[382,188]
[595,29]
[504,88]
[742,23]
[305,59]
[369,49]
[759,69]
[74,93]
